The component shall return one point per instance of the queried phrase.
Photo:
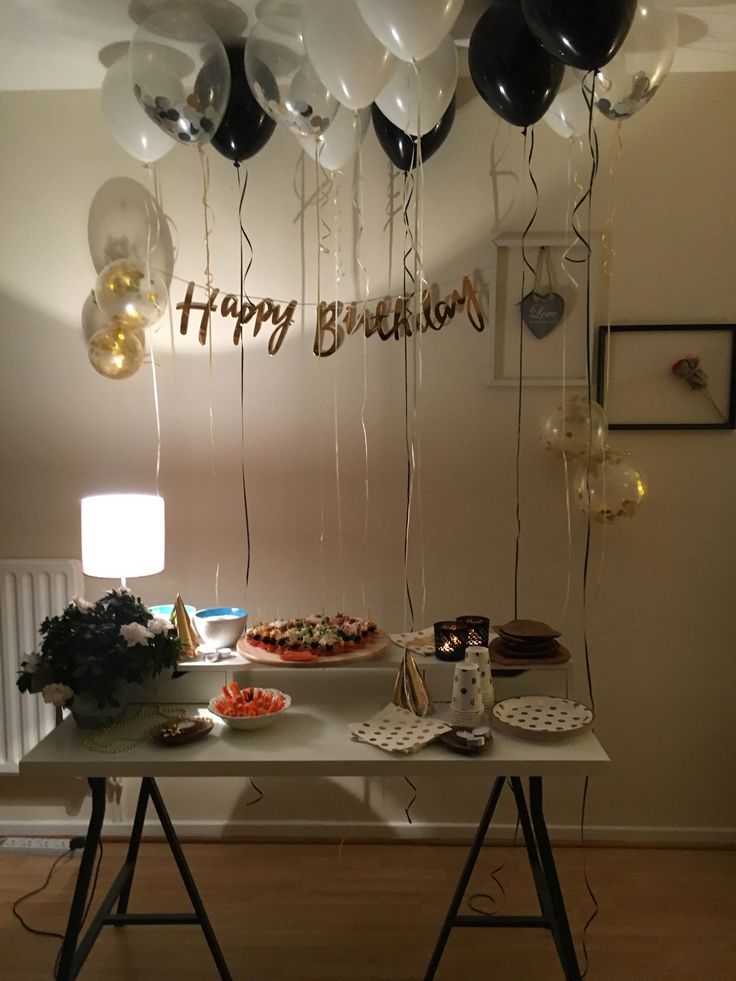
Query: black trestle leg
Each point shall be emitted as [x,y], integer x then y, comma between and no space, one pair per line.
[133,846]
[181,864]
[540,883]
[561,929]
[67,969]
[464,879]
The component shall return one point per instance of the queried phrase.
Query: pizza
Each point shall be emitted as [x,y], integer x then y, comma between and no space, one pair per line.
[309,638]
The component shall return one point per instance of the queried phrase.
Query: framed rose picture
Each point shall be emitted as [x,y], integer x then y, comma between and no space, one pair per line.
[667,376]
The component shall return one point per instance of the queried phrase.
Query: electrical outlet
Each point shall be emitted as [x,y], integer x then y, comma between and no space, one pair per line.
[35,846]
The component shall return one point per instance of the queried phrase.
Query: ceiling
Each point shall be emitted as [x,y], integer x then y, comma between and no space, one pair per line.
[66,44]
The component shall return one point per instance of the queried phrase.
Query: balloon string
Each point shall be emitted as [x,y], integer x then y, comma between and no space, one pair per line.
[589,96]
[205,336]
[409,806]
[259,798]
[525,264]
[408,434]
[574,143]
[609,254]
[175,245]
[298,184]
[360,270]
[589,888]
[242,188]
[393,208]
[418,363]
[150,174]
[335,413]
[593,147]
[417,241]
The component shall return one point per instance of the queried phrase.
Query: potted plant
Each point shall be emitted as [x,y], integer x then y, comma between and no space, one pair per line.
[91,652]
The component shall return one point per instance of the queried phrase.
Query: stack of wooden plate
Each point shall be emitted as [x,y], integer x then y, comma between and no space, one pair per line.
[529,642]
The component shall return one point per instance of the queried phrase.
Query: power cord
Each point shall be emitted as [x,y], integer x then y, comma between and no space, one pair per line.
[74,844]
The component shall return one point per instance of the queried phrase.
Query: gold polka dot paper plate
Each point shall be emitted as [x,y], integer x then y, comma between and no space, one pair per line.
[542,716]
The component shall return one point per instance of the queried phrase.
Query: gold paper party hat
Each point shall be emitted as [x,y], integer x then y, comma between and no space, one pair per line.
[410,690]
[186,632]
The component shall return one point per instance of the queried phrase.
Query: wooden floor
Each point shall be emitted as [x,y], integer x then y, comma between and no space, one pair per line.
[373,911]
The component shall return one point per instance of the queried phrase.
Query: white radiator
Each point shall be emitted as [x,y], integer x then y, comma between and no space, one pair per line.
[30,590]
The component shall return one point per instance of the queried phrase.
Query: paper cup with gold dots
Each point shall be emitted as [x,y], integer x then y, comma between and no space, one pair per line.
[466,707]
[476,654]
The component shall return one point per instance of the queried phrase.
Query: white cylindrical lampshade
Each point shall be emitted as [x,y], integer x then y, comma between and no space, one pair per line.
[122,535]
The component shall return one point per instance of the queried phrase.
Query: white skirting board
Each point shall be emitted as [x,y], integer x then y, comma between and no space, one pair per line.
[401,831]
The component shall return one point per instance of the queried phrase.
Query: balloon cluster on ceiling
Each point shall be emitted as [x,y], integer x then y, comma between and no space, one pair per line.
[325,68]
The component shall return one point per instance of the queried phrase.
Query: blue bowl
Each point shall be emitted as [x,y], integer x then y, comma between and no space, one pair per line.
[167,610]
[221,626]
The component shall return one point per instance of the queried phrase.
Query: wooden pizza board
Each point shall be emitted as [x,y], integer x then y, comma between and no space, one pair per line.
[375,644]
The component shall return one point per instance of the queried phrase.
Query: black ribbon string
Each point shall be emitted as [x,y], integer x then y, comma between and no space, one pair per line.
[243,295]
[408,438]
[259,798]
[525,264]
[588,197]
[411,802]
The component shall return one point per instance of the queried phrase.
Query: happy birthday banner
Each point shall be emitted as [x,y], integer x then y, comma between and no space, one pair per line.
[389,317]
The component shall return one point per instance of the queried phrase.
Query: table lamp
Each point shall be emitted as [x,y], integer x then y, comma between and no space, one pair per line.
[122,536]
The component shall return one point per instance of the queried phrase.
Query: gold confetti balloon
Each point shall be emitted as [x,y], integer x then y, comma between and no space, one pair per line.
[115,353]
[128,295]
[614,487]
[575,429]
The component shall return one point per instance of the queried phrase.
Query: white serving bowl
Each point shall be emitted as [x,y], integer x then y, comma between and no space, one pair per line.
[254,721]
[221,626]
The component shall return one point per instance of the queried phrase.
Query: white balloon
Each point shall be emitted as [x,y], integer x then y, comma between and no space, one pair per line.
[130,126]
[416,104]
[410,29]
[348,58]
[568,115]
[341,141]
[631,79]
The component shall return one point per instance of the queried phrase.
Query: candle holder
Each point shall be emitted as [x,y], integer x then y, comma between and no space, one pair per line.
[450,640]
[478,628]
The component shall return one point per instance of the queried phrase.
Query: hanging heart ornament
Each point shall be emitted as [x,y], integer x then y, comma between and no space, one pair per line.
[542,313]
[542,309]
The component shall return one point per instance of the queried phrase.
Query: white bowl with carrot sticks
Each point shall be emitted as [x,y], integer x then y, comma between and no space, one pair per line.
[249,708]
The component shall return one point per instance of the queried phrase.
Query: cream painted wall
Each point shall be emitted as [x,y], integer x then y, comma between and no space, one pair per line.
[660,621]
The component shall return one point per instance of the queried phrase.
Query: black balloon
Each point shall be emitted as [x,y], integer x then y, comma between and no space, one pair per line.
[511,70]
[245,128]
[583,33]
[401,148]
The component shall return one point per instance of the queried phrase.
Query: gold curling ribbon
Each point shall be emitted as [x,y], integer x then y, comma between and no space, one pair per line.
[185,629]
[410,690]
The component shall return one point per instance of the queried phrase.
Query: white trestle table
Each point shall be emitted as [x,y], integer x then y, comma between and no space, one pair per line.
[312,738]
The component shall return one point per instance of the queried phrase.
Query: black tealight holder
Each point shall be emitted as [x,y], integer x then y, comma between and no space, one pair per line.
[478,628]
[450,640]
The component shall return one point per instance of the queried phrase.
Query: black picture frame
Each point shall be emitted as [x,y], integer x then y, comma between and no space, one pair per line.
[606,338]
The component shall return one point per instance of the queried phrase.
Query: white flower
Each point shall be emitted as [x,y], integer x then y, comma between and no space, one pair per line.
[160,625]
[83,605]
[57,694]
[31,662]
[135,633]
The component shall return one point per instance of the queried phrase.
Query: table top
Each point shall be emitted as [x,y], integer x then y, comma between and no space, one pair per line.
[310,739]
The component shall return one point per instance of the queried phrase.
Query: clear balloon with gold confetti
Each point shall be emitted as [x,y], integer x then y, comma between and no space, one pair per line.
[115,352]
[613,487]
[576,429]
[130,296]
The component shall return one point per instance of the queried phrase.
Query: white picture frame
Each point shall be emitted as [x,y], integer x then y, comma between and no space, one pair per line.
[566,345]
